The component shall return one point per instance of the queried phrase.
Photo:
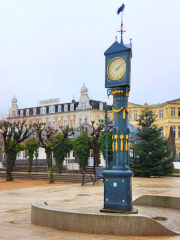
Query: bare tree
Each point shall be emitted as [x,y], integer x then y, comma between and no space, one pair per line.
[45,134]
[13,134]
[95,140]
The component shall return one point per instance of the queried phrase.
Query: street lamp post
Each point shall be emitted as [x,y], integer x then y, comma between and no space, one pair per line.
[106,123]
[36,159]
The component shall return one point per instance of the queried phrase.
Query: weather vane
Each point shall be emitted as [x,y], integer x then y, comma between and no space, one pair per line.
[121,9]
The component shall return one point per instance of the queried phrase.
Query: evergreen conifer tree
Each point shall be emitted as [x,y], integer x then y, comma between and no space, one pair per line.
[152,157]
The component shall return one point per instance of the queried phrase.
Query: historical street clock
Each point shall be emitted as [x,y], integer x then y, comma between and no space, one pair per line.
[118,176]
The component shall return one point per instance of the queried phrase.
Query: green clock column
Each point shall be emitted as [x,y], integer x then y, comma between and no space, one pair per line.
[117,177]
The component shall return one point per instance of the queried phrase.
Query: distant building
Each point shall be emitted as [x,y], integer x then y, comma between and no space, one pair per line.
[74,114]
[168,114]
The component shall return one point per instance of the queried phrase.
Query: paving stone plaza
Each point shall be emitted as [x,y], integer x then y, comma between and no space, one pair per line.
[15,212]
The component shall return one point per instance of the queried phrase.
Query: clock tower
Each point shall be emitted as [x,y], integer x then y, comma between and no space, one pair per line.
[117,177]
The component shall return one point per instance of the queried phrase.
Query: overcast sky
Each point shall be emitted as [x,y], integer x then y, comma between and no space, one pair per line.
[49,48]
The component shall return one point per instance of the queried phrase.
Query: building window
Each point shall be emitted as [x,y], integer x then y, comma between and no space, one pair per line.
[82,105]
[130,115]
[43,110]
[72,107]
[21,113]
[34,111]
[65,108]
[174,131]
[178,132]
[178,112]
[52,110]
[59,108]
[161,113]
[27,112]
[65,123]
[135,114]
[101,106]
[53,124]
[172,112]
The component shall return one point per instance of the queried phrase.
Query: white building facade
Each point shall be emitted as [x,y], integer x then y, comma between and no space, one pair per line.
[74,114]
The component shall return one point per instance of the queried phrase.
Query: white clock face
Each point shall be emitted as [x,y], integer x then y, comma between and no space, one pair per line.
[116,68]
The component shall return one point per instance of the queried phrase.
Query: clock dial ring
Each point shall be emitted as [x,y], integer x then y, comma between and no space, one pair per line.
[116,68]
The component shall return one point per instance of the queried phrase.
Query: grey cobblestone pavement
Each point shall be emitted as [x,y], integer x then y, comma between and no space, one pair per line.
[15,208]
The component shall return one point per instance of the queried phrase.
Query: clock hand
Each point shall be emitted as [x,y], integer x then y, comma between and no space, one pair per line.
[118,67]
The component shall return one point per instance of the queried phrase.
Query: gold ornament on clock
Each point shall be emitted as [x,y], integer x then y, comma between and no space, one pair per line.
[116,68]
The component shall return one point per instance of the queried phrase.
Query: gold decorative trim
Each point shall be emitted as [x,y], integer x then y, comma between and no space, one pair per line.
[119,110]
[121,137]
[114,92]
[127,94]
[116,143]
[124,114]
[126,145]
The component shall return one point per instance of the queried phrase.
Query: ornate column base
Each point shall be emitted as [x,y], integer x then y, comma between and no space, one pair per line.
[118,190]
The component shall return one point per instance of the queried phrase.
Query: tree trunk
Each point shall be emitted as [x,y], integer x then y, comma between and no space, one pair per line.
[30,165]
[49,166]
[9,167]
[96,162]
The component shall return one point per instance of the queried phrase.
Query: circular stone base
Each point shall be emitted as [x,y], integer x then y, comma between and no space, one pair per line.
[133,211]
[86,220]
